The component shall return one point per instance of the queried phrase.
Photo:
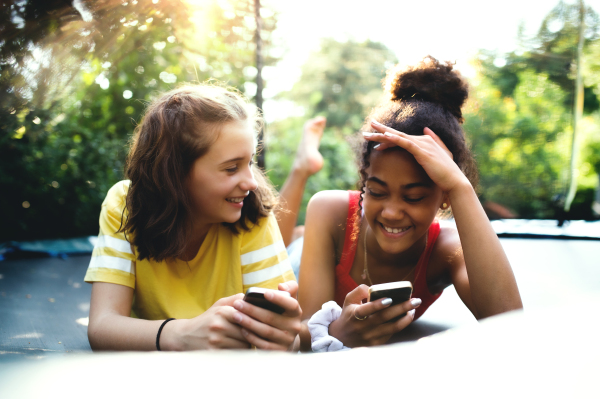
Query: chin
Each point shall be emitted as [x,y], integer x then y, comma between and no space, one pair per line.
[390,246]
[233,218]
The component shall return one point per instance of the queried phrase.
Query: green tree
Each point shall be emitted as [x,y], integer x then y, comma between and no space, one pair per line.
[342,81]
[521,143]
[73,89]
[552,51]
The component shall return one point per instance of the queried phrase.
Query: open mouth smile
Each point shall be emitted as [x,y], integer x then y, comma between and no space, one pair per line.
[394,231]
[235,200]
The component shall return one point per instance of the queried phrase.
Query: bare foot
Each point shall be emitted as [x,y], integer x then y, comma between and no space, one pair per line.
[308,158]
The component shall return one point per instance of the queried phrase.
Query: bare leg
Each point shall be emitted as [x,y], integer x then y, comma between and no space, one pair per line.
[308,162]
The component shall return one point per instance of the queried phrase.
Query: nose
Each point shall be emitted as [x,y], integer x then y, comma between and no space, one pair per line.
[392,210]
[248,182]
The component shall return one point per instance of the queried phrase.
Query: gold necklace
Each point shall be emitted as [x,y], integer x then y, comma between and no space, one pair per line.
[365,275]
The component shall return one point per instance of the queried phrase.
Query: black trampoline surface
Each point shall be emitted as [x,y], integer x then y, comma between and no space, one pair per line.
[44,302]
[44,306]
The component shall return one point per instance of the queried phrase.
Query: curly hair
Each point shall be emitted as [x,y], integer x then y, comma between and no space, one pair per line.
[177,128]
[429,94]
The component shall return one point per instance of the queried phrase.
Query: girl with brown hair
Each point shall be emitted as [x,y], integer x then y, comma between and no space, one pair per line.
[189,232]
[414,163]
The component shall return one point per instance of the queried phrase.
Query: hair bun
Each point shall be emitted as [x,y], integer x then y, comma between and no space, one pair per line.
[430,81]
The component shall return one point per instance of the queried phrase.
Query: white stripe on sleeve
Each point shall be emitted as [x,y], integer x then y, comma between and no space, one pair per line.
[111,262]
[114,243]
[266,274]
[263,253]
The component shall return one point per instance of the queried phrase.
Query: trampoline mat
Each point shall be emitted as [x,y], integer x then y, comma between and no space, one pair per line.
[44,306]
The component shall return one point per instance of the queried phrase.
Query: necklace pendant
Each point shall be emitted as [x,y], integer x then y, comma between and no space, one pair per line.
[364,276]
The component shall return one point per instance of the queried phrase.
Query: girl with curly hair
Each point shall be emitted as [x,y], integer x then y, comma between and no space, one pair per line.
[414,164]
[189,232]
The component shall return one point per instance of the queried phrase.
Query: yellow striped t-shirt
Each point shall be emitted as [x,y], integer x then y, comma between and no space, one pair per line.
[226,264]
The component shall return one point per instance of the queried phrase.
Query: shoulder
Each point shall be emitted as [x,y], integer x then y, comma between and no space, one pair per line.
[331,202]
[115,197]
[327,213]
[265,232]
[447,250]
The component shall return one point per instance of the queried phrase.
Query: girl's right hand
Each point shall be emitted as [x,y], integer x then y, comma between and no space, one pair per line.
[213,329]
[365,324]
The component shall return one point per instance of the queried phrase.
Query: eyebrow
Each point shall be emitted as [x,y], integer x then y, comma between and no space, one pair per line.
[405,187]
[235,160]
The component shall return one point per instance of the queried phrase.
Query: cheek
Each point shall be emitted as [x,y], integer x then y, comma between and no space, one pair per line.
[370,209]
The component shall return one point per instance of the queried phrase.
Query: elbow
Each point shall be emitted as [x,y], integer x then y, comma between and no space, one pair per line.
[94,334]
[510,305]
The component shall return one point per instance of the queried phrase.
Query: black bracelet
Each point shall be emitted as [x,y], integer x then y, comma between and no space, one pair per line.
[159,331]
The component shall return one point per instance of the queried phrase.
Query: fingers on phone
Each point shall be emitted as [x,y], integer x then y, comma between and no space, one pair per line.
[228,301]
[356,296]
[291,306]
[223,331]
[370,308]
[250,315]
[281,335]
[397,310]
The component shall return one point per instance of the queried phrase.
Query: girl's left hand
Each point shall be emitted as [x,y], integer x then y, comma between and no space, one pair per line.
[429,151]
[269,330]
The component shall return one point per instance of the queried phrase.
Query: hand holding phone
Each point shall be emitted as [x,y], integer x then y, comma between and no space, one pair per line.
[369,324]
[256,296]
[399,291]
[266,330]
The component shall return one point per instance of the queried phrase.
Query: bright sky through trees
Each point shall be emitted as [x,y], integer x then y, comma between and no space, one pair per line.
[448,30]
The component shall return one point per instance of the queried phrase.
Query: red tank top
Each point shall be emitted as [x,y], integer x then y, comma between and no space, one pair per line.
[344,283]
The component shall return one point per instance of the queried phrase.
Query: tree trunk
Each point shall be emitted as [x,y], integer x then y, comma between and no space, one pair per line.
[259,82]
[577,111]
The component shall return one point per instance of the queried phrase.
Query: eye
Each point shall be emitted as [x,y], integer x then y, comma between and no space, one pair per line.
[413,200]
[232,169]
[374,194]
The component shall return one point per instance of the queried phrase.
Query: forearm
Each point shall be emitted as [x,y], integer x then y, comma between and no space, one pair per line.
[117,332]
[492,283]
[291,195]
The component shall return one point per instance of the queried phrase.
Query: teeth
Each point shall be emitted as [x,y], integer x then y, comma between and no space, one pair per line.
[235,200]
[395,231]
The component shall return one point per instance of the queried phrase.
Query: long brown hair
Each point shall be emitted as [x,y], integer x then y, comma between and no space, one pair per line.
[177,128]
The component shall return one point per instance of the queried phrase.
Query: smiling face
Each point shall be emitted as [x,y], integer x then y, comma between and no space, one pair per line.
[400,200]
[219,181]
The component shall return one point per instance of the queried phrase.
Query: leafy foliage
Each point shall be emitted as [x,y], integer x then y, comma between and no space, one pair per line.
[73,90]
[553,52]
[521,125]
[521,143]
[342,81]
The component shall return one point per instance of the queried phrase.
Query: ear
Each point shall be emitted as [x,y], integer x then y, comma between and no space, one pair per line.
[445,203]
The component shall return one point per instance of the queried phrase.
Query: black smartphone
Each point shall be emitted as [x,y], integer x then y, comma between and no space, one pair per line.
[399,291]
[256,296]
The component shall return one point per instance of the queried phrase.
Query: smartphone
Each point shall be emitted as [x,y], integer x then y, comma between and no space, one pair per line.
[256,296]
[399,291]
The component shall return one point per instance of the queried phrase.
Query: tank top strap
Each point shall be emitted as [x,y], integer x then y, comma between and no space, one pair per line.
[421,271]
[350,239]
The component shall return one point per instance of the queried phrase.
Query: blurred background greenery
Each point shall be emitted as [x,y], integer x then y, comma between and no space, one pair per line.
[75,77]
